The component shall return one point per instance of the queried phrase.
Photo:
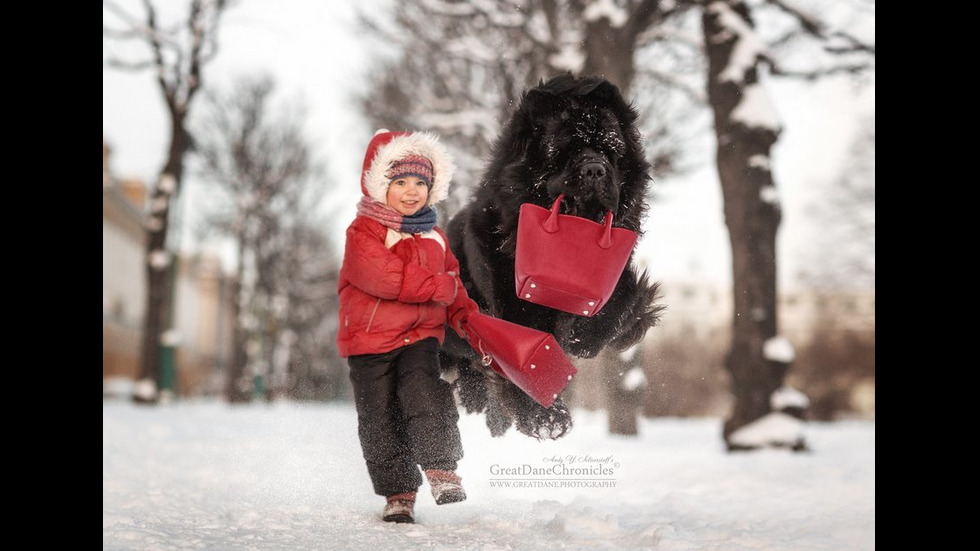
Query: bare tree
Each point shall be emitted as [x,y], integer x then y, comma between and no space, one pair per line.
[844,255]
[177,55]
[310,366]
[746,129]
[468,61]
[261,164]
[625,382]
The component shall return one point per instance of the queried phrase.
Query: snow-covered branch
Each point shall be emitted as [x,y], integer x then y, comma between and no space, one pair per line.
[671,80]
[819,29]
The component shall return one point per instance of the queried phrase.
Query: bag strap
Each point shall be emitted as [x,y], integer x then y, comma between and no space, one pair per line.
[485,358]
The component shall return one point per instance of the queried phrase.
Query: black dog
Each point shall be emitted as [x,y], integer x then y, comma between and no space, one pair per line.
[569,135]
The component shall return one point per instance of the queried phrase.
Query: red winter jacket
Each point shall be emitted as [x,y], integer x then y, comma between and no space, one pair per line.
[395,295]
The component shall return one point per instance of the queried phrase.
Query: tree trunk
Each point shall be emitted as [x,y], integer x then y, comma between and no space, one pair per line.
[159,276]
[157,291]
[751,214]
[622,402]
[609,53]
[236,387]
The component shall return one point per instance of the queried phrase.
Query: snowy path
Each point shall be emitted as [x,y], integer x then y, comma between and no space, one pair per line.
[290,476]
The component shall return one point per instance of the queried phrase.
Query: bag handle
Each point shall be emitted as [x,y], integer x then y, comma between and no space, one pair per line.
[604,239]
[551,223]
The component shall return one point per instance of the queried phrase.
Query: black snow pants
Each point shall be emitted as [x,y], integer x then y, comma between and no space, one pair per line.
[406,416]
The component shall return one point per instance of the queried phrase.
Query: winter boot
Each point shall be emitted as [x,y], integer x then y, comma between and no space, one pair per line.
[446,486]
[400,508]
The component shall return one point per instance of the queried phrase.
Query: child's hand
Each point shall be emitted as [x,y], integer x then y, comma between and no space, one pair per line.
[446,288]
[459,324]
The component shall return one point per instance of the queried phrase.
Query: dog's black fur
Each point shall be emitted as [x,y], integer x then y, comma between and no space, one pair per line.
[576,136]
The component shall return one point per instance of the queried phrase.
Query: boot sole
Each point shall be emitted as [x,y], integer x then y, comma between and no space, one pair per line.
[450,497]
[401,519]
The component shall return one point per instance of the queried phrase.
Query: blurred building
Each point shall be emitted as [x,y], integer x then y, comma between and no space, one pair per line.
[123,279]
[703,311]
[202,315]
[831,330]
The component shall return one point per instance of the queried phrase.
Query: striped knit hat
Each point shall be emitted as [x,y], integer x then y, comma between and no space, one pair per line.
[412,165]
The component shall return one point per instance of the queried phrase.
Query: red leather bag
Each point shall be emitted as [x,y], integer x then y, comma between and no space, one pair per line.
[567,262]
[529,358]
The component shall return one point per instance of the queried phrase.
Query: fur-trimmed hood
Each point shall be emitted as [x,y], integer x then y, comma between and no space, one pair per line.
[386,147]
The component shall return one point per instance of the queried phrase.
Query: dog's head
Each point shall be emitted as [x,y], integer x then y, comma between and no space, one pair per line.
[578,136]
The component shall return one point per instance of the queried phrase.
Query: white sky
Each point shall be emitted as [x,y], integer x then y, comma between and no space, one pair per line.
[318,57]
[206,475]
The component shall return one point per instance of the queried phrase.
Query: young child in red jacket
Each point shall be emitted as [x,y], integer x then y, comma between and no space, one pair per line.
[399,287]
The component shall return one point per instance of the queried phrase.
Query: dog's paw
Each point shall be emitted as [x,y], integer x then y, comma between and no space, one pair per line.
[542,423]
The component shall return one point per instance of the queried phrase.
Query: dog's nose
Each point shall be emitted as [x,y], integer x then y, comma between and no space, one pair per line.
[592,171]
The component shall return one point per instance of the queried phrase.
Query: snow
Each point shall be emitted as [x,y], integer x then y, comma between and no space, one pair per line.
[778,349]
[569,57]
[772,429]
[769,194]
[755,110]
[788,397]
[171,337]
[630,353]
[290,476]
[144,389]
[760,162]
[634,379]
[475,47]
[748,48]
[159,259]
[168,184]
[598,9]
[482,119]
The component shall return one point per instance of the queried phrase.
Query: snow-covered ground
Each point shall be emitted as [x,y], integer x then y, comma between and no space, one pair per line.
[206,475]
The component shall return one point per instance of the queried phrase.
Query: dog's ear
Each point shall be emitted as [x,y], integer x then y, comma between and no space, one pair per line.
[608,94]
[532,109]
[525,124]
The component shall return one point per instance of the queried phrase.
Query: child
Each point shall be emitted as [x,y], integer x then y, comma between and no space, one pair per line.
[398,289]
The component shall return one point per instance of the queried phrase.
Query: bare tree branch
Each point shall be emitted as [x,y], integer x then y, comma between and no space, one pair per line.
[136,28]
[818,28]
[128,65]
[852,69]
[671,80]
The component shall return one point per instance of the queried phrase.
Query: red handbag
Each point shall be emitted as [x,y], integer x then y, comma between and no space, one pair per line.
[567,262]
[529,358]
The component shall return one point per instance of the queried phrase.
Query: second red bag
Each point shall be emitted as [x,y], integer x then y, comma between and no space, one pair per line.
[529,358]
[567,262]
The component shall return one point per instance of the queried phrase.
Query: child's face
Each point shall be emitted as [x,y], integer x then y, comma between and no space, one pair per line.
[407,195]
